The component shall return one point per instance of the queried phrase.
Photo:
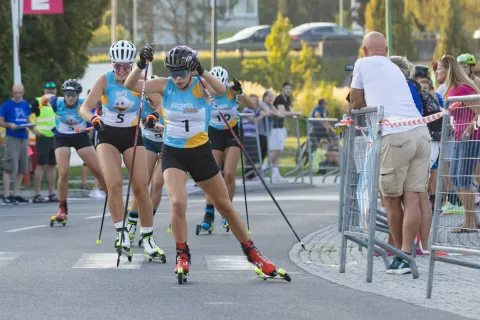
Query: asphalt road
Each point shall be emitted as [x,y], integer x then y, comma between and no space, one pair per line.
[61,273]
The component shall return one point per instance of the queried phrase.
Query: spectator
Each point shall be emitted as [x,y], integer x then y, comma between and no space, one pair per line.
[13,115]
[467,61]
[282,103]
[405,150]
[45,145]
[467,147]
[249,132]
[320,111]
[427,86]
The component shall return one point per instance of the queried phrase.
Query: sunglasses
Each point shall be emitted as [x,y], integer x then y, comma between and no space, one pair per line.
[182,74]
[122,66]
[73,94]
[50,85]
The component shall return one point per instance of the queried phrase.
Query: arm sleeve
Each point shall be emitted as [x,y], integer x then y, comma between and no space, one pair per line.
[53,103]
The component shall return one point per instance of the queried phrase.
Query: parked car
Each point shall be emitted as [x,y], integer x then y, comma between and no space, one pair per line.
[315,32]
[251,35]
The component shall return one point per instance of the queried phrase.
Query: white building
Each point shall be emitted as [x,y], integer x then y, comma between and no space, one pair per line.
[238,16]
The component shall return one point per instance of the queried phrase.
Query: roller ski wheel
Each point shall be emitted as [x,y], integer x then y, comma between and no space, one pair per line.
[181,276]
[157,256]
[169,230]
[123,252]
[279,274]
[203,228]
[55,220]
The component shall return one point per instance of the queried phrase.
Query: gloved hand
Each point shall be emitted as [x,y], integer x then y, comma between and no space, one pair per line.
[151,119]
[97,123]
[145,54]
[35,107]
[237,86]
[193,64]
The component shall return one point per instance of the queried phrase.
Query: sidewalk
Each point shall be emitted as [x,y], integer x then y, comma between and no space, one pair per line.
[455,289]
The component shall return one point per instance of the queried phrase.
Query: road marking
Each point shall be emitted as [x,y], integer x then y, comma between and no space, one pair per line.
[27,228]
[108,261]
[216,303]
[228,263]
[7,257]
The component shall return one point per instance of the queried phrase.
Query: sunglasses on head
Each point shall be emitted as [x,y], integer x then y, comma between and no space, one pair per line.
[182,74]
[122,66]
[73,94]
[50,85]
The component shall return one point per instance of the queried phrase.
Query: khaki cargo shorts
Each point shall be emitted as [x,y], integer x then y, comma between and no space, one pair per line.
[405,162]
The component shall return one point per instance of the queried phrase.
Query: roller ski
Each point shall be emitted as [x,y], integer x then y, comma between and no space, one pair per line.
[152,252]
[61,217]
[183,262]
[225,225]
[263,267]
[169,230]
[207,224]
[122,244]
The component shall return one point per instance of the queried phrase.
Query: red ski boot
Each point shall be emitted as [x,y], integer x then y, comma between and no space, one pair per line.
[183,262]
[255,257]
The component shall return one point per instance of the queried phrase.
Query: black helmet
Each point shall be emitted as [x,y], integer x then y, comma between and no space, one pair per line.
[176,58]
[72,85]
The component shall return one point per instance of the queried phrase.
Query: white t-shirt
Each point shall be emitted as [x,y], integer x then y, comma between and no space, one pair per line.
[384,84]
[441,89]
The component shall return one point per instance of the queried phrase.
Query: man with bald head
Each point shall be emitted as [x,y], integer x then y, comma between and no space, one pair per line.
[14,116]
[405,154]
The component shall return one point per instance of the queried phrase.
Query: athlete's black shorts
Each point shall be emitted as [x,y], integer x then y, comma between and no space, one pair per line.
[198,161]
[45,151]
[121,138]
[78,141]
[223,139]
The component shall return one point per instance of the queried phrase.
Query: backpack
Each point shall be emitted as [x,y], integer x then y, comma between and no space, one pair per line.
[430,106]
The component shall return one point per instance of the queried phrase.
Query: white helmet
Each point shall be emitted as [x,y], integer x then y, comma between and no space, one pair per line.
[220,73]
[122,51]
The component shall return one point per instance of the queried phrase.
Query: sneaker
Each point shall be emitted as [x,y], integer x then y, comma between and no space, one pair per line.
[39,199]
[21,199]
[10,200]
[84,187]
[97,194]
[399,266]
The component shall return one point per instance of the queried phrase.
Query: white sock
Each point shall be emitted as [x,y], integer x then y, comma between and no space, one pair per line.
[147,230]
[118,225]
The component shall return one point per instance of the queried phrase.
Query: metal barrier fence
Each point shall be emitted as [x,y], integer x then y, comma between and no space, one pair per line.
[455,236]
[362,143]
[258,141]
[322,148]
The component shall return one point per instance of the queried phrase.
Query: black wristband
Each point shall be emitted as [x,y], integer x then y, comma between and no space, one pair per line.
[200,70]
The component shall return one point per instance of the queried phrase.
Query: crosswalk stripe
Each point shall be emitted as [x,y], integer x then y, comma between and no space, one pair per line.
[108,261]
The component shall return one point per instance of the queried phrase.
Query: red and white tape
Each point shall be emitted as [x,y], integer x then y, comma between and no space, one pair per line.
[412,122]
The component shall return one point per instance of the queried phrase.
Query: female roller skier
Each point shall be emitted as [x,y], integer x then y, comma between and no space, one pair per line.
[116,134]
[225,148]
[186,149]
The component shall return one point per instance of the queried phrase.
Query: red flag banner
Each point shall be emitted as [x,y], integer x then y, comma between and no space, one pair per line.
[42,6]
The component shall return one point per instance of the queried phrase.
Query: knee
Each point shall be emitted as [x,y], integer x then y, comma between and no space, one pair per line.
[229,177]
[115,187]
[224,206]
[179,206]
[140,190]
[63,175]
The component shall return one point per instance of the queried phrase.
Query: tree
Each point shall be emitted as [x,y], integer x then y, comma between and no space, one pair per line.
[102,37]
[52,47]
[452,35]
[402,21]
[278,60]
[305,68]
